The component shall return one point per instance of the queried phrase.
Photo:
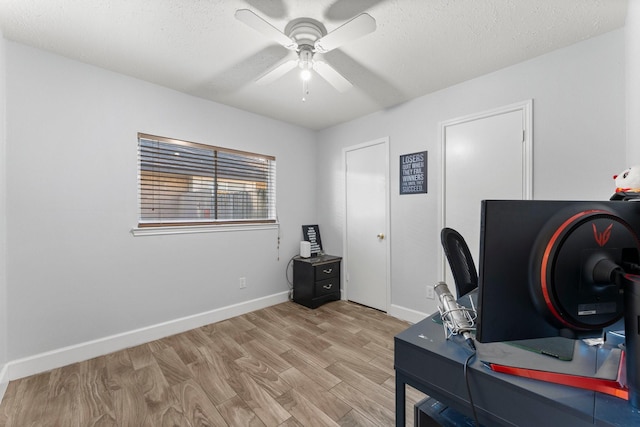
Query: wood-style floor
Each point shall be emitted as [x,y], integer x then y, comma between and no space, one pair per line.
[284,365]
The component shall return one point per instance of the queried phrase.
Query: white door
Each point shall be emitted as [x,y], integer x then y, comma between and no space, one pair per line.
[485,156]
[366,224]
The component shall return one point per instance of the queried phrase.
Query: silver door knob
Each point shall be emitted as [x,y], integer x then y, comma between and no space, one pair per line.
[381,236]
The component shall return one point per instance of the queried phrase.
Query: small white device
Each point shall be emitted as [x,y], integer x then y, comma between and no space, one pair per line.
[305,249]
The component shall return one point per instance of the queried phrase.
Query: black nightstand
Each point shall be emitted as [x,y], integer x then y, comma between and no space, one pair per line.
[316,280]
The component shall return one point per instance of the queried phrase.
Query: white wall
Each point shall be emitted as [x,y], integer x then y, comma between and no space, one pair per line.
[75,272]
[579,143]
[3,224]
[632,30]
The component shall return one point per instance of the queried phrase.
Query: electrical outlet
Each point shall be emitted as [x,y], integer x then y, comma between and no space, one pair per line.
[430,292]
[243,282]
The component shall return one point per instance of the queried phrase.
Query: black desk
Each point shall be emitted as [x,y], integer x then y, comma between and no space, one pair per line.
[425,360]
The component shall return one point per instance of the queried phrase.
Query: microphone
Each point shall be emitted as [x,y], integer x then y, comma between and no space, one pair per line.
[456,318]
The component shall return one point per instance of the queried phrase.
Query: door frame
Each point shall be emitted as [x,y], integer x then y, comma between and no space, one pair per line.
[345,279]
[527,158]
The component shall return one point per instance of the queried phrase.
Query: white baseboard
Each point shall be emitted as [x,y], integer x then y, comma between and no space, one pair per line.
[84,351]
[4,380]
[407,314]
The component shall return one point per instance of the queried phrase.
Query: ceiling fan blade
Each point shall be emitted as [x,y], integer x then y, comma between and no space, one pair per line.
[272,8]
[351,30]
[341,10]
[277,72]
[262,26]
[334,78]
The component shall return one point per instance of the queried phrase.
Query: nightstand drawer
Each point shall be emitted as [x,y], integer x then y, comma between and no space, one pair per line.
[328,270]
[327,286]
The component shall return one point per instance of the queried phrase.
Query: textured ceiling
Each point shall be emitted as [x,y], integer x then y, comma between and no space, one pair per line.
[198,47]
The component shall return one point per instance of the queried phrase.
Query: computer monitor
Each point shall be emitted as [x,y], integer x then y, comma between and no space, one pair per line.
[552,268]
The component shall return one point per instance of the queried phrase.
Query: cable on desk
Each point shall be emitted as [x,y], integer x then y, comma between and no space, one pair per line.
[466,379]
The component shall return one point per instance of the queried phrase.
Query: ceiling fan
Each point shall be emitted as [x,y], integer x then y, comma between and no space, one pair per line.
[308,37]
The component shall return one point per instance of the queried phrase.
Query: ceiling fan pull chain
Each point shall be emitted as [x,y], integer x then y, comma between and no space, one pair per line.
[305,90]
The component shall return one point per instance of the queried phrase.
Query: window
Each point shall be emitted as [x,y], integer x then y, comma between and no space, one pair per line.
[185,183]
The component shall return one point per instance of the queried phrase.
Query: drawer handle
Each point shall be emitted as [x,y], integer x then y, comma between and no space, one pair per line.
[328,271]
[329,286]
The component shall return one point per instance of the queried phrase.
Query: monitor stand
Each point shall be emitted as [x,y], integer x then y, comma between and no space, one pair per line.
[631,288]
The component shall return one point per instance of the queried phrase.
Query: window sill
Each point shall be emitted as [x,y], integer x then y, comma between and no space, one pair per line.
[190,229]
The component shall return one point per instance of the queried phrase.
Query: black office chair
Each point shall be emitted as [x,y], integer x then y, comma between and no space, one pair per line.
[462,266]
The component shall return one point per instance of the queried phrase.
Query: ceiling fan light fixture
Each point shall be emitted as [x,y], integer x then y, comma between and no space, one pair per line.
[306,62]
[305,74]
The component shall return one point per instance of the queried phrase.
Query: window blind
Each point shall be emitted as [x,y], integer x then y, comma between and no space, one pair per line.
[186,183]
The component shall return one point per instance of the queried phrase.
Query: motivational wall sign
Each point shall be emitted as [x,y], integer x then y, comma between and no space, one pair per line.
[413,173]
